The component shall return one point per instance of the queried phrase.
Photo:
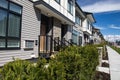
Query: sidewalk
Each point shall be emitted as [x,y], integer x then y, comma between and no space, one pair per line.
[114,62]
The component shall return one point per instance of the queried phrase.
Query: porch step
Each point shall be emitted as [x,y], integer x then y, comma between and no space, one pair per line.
[55,52]
[103,69]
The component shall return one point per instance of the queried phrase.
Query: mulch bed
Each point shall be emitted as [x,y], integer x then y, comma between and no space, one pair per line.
[105,56]
[104,64]
[101,76]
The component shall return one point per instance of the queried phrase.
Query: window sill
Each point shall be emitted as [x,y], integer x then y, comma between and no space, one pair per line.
[27,49]
[10,48]
[57,2]
[70,12]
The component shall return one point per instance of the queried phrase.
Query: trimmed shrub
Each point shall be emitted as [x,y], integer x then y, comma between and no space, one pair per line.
[89,60]
[55,71]
[17,70]
[80,62]
[71,63]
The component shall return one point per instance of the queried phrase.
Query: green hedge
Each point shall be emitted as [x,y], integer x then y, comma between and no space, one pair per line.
[17,70]
[73,63]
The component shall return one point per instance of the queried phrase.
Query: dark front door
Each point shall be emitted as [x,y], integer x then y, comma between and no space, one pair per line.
[63,31]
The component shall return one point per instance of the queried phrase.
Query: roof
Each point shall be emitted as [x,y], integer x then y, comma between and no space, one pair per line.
[90,17]
[79,10]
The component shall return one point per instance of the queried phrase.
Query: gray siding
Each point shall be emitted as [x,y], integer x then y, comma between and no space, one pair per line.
[30,31]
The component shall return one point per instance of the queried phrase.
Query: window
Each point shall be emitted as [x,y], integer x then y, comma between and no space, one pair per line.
[4,3]
[77,20]
[3,22]
[2,43]
[88,24]
[14,25]
[80,40]
[74,36]
[70,6]
[13,43]
[29,44]
[10,25]
[58,1]
[15,8]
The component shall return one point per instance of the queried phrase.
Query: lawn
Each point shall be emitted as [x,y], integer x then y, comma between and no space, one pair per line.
[116,49]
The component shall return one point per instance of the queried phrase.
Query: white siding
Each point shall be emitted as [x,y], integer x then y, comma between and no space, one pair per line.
[62,8]
[85,26]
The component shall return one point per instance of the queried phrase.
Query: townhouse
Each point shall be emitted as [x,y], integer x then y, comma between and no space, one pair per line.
[82,30]
[87,27]
[33,28]
[28,27]
[97,36]
[77,32]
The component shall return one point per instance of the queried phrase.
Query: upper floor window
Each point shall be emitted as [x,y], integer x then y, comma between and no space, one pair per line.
[58,1]
[4,3]
[70,6]
[10,25]
[90,28]
[77,20]
[88,25]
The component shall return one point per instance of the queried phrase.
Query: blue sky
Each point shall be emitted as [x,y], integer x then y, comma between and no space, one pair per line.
[106,13]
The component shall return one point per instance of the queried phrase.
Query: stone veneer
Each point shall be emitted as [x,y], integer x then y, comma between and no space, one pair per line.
[56,28]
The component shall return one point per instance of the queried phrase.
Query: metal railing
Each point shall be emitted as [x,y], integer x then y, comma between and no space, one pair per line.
[58,44]
[66,42]
[47,44]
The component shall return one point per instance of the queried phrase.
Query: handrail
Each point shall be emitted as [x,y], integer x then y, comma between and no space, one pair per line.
[67,42]
[58,43]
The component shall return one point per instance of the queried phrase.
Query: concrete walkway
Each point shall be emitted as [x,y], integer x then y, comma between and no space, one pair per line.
[114,62]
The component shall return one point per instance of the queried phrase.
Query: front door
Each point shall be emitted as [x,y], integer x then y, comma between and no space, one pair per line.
[63,31]
[42,37]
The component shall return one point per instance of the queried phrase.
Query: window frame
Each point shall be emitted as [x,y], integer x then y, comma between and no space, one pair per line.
[6,37]
[75,34]
[28,48]
[76,20]
[58,1]
[70,9]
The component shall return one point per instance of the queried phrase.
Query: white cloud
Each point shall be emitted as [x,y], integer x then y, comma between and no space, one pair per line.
[102,6]
[101,28]
[114,27]
[112,38]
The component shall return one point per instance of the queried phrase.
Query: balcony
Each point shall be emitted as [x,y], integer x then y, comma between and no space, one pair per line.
[53,9]
[87,31]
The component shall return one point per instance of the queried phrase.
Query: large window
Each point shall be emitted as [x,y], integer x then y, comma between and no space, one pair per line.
[80,40]
[70,6]
[10,25]
[88,25]
[75,37]
[58,1]
[77,20]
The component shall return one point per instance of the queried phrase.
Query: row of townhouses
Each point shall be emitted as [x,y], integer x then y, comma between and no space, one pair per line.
[97,36]
[33,28]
